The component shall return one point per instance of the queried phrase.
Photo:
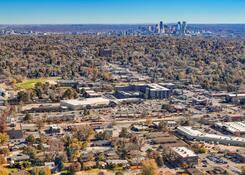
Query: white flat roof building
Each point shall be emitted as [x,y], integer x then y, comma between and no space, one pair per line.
[192,134]
[184,152]
[157,87]
[79,104]
[185,155]
[237,95]
[232,127]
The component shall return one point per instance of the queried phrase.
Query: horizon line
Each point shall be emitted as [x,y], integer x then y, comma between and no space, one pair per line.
[119,23]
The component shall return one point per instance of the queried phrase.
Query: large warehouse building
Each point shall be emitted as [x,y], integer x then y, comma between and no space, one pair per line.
[85,103]
[236,128]
[192,134]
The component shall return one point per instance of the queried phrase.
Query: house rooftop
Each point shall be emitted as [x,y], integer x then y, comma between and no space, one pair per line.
[15,134]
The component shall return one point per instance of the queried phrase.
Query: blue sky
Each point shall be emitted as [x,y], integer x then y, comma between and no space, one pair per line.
[120,11]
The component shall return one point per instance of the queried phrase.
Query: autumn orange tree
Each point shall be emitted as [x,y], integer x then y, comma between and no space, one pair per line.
[3,171]
[149,167]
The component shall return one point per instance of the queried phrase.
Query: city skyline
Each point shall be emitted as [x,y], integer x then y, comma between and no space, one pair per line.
[121,12]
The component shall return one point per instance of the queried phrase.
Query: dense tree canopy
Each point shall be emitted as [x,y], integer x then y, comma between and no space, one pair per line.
[212,62]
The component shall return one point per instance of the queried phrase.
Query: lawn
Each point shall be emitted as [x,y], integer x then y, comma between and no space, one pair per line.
[12,170]
[30,83]
[121,84]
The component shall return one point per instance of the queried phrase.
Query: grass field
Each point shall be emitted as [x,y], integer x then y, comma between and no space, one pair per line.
[121,84]
[12,170]
[28,84]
